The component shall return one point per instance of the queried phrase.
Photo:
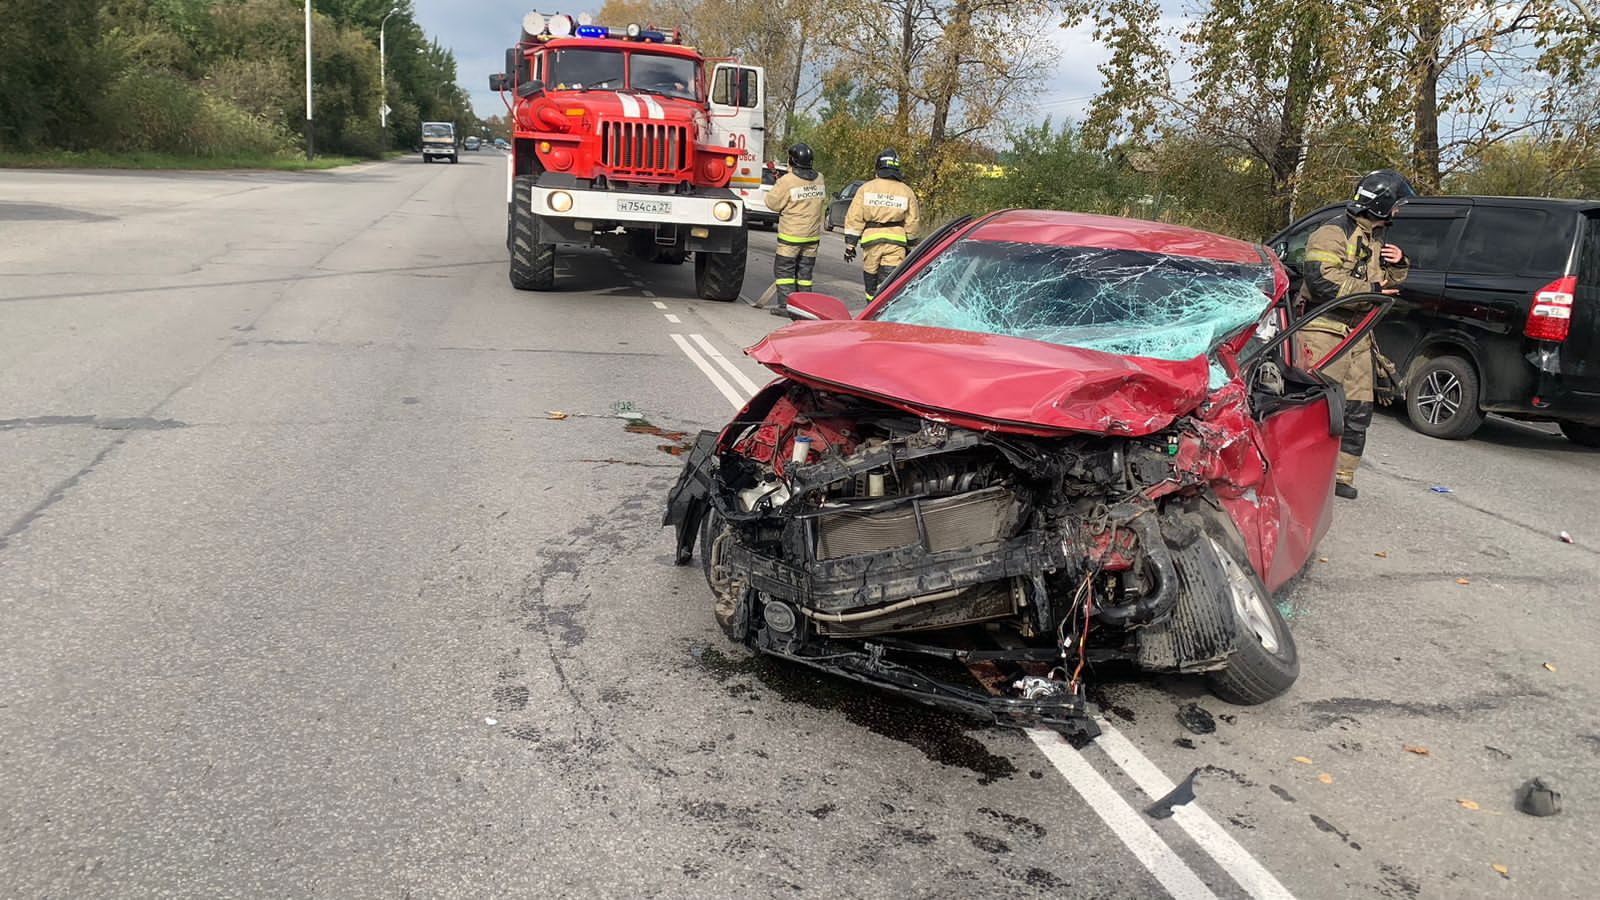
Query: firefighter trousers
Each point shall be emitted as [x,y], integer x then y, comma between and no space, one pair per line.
[1355,371]
[792,267]
[879,259]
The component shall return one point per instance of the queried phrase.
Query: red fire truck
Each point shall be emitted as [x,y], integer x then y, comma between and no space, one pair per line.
[623,140]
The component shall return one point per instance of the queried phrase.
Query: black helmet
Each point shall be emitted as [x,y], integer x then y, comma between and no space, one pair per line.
[800,156]
[890,160]
[1378,193]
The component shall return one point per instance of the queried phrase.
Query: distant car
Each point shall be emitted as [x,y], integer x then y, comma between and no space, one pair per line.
[839,206]
[500,143]
[1500,313]
[755,200]
[471,143]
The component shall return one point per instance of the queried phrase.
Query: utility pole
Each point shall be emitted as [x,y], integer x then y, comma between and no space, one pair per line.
[311,140]
[383,78]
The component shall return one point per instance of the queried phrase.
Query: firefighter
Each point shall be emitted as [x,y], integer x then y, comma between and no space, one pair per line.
[1343,257]
[799,198]
[882,221]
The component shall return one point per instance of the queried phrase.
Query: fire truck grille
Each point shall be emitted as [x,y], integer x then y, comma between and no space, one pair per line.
[642,148]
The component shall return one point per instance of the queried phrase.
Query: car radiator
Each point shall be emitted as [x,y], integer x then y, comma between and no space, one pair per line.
[950,523]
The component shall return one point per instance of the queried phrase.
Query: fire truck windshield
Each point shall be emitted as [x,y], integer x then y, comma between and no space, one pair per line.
[580,70]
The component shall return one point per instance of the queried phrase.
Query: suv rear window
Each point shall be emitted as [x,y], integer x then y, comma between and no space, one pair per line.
[1501,240]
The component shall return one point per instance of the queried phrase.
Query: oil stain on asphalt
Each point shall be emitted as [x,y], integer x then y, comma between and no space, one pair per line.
[940,736]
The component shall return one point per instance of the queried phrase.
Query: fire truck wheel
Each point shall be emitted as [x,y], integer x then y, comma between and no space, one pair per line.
[719,276]
[533,265]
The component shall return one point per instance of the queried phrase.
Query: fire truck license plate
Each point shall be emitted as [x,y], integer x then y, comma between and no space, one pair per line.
[651,207]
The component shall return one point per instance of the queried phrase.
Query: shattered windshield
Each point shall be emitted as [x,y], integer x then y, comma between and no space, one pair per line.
[1126,302]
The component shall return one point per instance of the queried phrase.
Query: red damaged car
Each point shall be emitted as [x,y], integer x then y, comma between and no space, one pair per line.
[1053,440]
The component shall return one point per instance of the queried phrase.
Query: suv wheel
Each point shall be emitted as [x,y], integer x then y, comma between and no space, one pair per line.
[1442,397]
[1581,434]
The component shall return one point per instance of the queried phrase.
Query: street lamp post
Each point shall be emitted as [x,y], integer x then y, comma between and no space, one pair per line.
[311,141]
[383,78]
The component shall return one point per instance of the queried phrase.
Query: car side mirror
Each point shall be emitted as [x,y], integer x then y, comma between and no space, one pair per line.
[812,305]
[529,88]
[497,81]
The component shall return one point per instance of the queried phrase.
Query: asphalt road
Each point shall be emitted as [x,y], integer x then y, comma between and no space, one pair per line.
[304,592]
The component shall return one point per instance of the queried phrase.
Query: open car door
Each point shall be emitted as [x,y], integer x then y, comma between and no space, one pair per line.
[1300,416]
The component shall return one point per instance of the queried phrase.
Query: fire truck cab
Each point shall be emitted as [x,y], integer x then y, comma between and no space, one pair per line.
[624,140]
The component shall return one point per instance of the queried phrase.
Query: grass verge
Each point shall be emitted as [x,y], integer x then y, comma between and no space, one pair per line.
[94,159]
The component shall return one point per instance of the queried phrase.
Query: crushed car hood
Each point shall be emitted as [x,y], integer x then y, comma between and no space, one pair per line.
[988,381]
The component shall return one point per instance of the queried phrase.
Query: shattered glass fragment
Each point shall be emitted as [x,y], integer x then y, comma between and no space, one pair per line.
[1124,302]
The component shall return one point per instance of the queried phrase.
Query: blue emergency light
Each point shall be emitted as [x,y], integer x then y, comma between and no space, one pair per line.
[593,31]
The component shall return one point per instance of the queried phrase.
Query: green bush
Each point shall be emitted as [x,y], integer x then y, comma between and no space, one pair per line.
[160,112]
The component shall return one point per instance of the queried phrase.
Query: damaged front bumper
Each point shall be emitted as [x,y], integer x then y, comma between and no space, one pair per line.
[867,663]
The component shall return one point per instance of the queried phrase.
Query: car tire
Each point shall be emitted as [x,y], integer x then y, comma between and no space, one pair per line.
[1442,397]
[1581,434]
[1265,662]
[720,276]
[827,221]
[533,265]
[729,605]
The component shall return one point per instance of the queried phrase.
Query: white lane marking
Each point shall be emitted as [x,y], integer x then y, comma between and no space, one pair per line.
[654,108]
[630,106]
[1123,820]
[717,381]
[674,319]
[1218,844]
[647,293]
[716,356]
[658,304]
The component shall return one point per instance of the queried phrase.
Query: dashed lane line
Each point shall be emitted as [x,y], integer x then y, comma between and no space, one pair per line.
[658,304]
[674,319]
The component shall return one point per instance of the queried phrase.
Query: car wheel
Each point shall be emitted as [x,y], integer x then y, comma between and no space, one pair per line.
[827,221]
[719,276]
[533,265]
[1265,661]
[730,608]
[1581,434]
[1442,397]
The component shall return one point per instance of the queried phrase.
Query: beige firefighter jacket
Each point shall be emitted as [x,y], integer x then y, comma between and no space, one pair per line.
[799,203]
[1342,258]
[882,210]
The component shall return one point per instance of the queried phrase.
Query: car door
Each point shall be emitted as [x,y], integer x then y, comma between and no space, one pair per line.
[839,207]
[1290,244]
[1299,424]
[1428,234]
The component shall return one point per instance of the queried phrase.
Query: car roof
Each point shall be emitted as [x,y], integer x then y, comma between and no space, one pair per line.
[1074,229]
[1568,203]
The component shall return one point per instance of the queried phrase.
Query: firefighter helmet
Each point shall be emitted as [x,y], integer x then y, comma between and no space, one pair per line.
[800,156]
[1378,193]
[889,162]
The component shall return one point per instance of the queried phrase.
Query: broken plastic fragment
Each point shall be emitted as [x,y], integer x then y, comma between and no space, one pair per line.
[1468,804]
[1536,798]
[1382,554]
[1415,748]
[1462,581]
[1440,489]
[490,721]
[554,414]
[1550,666]
[1566,538]
[1504,872]
[1322,559]
[1183,793]
[1034,687]
[1303,760]
[1325,778]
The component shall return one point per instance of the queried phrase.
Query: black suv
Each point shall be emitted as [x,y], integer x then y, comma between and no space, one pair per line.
[1501,311]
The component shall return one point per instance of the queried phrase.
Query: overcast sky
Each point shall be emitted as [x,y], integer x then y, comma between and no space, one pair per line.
[480,30]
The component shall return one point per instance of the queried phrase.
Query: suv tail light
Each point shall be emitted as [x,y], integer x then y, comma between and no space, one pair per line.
[1551,315]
